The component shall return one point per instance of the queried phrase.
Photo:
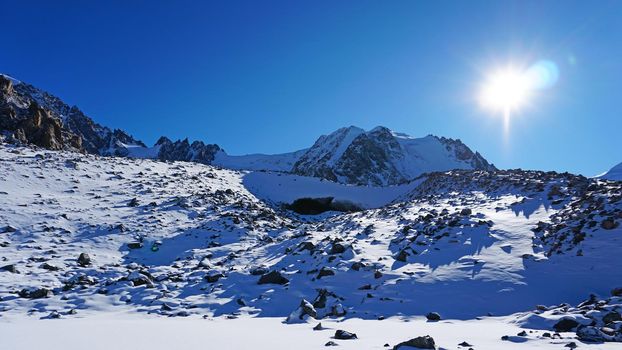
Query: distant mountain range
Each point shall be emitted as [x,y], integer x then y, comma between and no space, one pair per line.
[350,155]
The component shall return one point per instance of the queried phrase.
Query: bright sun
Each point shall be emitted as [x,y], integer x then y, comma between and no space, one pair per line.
[506,90]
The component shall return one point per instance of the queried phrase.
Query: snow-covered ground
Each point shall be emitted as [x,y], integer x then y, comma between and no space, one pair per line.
[180,251]
[123,331]
[285,188]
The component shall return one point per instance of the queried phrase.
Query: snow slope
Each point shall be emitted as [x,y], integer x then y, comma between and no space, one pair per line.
[273,162]
[190,240]
[614,173]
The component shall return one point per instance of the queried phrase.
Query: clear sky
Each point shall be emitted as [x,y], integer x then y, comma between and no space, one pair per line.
[271,76]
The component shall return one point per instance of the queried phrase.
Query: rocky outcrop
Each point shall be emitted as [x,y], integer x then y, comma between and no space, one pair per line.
[183,150]
[31,116]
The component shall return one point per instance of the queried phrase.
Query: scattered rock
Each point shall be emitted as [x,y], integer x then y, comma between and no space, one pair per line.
[325,272]
[35,293]
[425,342]
[135,245]
[84,260]
[344,335]
[466,212]
[565,325]
[273,277]
[433,316]
[10,268]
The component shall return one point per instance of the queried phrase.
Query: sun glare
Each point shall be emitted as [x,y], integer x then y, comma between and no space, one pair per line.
[505,90]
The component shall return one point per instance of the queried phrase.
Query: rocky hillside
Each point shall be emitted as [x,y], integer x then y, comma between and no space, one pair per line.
[29,115]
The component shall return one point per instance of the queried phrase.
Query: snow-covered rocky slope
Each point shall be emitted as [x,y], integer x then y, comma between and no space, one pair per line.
[379,157]
[614,173]
[383,157]
[105,238]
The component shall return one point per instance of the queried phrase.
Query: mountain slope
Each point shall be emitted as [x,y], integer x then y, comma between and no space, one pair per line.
[382,157]
[614,173]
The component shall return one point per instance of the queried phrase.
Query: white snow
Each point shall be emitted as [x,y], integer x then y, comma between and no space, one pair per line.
[206,221]
[614,173]
[138,151]
[122,331]
[285,188]
[273,162]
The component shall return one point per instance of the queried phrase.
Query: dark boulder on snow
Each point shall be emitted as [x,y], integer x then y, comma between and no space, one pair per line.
[259,270]
[325,272]
[344,335]
[433,316]
[337,248]
[10,268]
[35,293]
[565,325]
[84,260]
[213,277]
[273,277]
[425,342]
[134,245]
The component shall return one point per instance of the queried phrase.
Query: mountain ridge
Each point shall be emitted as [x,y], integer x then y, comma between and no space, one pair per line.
[350,155]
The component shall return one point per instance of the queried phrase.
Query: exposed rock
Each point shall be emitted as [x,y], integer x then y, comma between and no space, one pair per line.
[433,316]
[425,342]
[10,268]
[565,325]
[35,293]
[325,272]
[344,335]
[273,277]
[84,260]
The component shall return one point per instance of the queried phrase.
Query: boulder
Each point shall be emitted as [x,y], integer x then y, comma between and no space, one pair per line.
[425,342]
[84,260]
[35,293]
[273,277]
[433,316]
[344,335]
[565,325]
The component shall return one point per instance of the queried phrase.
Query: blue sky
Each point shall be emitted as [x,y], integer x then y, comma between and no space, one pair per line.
[271,76]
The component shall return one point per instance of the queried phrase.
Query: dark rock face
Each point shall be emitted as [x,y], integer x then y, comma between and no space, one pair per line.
[425,342]
[185,151]
[31,116]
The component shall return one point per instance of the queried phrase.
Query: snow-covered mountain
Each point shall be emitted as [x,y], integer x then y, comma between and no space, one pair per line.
[515,254]
[349,155]
[382,157]
[614,173]
[32,116]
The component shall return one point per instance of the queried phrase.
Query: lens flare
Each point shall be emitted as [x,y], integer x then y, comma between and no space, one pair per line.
[506,90]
